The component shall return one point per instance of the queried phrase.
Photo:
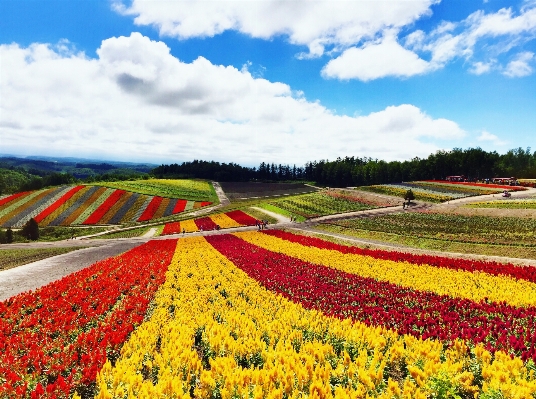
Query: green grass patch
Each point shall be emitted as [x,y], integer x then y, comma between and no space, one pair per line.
[194,190]
[131,233]
[58,233]
[259,215]
[10,258]
[281,211]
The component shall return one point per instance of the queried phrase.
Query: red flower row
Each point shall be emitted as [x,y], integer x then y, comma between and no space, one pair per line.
[171,228]
[422,314]
[53,341]
[12,197]
[494,268]
[205,223]
[179,206]
[242,218]
[104,207]
[151,209]
[64,198]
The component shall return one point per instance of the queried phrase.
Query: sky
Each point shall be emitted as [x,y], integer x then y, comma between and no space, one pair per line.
[283,81]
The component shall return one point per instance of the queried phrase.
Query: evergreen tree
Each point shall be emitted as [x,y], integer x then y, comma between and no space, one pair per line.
[9,235]
[31,230]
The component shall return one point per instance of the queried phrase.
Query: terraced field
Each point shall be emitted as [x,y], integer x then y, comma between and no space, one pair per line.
[97,205]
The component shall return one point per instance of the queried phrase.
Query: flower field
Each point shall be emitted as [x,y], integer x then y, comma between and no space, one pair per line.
[88,205]
[273,315]
[451,227]
[505,204]
[193,190]
[325,203]
[439,191]
[225,220]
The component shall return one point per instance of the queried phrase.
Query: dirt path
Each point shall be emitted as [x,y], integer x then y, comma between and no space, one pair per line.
[221,195]
[36,274]
[150,233]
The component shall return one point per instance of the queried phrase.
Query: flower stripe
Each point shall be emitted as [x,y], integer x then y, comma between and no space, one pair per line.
[205,223]
[54,340]
[12,197]
[242,218]
[443,281]
[64,207]
[110,213]
[224,221]
[189,226]
[19,216]
[215,332]
[171,228]
[493,268]
[72,191]
[180,206]
[423,314]
[150,209]
[96,216]
[76,207]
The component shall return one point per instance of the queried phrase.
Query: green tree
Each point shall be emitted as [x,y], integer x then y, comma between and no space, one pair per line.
[31,230]
[9,235]
[409,196]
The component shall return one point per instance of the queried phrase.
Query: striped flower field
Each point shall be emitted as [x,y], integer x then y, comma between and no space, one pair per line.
[225,220]
[87,205]
[273,315]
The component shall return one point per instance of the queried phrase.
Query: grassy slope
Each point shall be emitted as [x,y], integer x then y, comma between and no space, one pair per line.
[10,258]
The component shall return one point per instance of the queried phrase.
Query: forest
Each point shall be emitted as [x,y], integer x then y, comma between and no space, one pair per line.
[474,163]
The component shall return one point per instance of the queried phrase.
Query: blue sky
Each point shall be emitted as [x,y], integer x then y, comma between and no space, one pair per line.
[274,81]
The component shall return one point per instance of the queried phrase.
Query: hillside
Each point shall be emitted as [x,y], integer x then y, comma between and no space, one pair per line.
[98,205]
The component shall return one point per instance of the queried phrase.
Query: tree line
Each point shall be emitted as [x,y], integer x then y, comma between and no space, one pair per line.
[474,163]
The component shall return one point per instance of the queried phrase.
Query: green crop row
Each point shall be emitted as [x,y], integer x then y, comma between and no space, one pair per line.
[319,204]
[458,228]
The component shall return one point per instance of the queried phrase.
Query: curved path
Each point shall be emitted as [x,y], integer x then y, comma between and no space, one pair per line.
[37,274]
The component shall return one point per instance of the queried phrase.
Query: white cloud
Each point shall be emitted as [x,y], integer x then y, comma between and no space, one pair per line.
[520,66]
[479,68]
[481,38]
[315,24]
[376,60]
[138,102]
[486,136]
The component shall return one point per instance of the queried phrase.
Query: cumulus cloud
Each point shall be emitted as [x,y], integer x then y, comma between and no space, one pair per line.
[486,136]
[376,60]
[315,24]
[520,65]
[481,39]
[137,101]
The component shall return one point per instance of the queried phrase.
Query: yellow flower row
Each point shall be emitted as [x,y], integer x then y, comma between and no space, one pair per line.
[215,332]
[456,283]
[224,221]
[221,219]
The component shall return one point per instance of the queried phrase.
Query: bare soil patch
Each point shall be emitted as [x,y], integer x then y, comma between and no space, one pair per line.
[244,190]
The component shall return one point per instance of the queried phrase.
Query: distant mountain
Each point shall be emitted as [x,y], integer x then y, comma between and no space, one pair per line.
[78,167]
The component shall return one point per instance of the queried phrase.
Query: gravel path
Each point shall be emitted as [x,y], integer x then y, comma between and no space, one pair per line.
[36,274]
